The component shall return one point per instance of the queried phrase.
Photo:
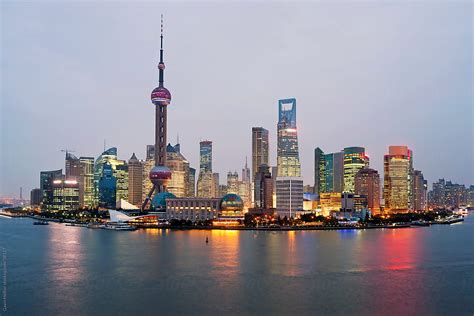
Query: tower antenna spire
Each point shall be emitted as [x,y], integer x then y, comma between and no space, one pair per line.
[161,65]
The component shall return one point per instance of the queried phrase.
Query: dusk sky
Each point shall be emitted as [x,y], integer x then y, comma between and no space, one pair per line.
[364,74]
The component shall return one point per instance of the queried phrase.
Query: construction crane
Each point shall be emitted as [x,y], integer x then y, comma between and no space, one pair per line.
[67,151]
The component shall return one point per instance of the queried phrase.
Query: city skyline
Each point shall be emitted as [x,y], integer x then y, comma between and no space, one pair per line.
[440,123]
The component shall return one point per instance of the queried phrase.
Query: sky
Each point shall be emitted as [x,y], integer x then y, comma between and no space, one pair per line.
[371,74]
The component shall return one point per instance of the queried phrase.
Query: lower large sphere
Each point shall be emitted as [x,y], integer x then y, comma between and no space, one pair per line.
[161,96]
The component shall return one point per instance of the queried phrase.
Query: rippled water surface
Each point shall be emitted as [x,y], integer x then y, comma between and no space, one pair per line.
[60,270]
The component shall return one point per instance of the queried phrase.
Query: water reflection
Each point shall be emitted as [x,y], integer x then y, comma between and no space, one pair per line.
[65,256]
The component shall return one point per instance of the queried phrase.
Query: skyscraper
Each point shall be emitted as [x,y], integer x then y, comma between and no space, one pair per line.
[207,187]
[87,175]
[419,191]
[179,166]
[160,174]
[289,184]
[232,182]
[260,148]
[74,170]
[119,172]
[288,160]
[367,182]
[192,183]
[215,184]
[397,185]
[263,188]
[205,155]
[35,197]
[437,195]
[245,186]
[319,181]
[73,165]
[135,181]
[46,186]
[332,173]
[246,173]
[107,187]
[355,159]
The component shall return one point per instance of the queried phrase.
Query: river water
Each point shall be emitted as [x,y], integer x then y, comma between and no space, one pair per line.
[61,270]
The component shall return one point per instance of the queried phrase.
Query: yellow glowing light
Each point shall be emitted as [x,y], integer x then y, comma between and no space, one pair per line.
[225,223]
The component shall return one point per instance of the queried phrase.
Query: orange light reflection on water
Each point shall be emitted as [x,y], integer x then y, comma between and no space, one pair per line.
[65,254]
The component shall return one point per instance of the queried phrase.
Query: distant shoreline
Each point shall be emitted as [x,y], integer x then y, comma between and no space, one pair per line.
[284,228]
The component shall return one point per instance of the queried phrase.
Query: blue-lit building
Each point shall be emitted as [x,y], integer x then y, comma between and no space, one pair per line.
[205,156]
[107,187]
[333,173]
[119,172]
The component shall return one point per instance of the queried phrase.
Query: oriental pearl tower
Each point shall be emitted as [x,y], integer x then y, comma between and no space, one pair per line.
[161,98]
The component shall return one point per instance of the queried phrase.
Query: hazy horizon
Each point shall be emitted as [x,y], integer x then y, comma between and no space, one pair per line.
[364,74]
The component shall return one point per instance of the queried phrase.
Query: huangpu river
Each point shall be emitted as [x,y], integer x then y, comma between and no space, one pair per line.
[62,270]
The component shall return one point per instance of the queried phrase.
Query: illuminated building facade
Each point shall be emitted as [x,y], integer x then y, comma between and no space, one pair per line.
[470,196]
[205,156]
[146,183]
[353,202]
[119,172]
[65,194]
[215,184]
[245,186]
[420,187]
[233,182]
[333,172]
[87,178]
[208,182]
[240,188]
[289,196]
[192,182]
[179,166]
[59,193]
[135,181]
[287,152]
[204,184]
[397,191]
[330,201]
[260,148]
[107,187]
[355,159]
[229,208]
[74,169]
[193,209]
[46,187]
[455,195]
[289,184]
[367,183]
